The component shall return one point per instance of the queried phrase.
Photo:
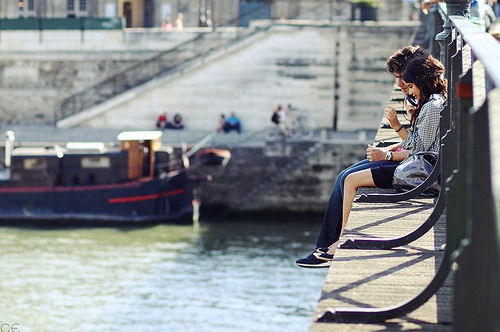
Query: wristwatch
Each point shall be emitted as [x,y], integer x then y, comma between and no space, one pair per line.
[388,155]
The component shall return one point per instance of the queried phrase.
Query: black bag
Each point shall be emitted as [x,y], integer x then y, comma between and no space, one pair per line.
[275,118]
[414,170]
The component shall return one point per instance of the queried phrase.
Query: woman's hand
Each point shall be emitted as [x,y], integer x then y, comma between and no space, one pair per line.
[391,115]
[375,154]
[409,111]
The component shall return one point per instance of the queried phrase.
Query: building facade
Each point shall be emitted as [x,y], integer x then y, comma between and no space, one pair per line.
[151,13]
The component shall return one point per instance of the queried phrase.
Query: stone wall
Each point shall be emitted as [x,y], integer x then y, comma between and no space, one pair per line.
[264,179]
[326,72]
[32,88]
[363,83]
[38,69]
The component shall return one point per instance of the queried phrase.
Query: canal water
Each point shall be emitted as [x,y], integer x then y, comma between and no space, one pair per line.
[229,275]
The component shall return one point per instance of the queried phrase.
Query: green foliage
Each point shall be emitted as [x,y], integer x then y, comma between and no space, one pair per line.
[367,3]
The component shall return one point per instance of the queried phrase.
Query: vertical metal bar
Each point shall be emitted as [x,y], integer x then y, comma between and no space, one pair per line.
[476,298]
[336,83]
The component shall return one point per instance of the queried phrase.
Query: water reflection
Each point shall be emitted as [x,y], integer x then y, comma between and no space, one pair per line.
[228,276]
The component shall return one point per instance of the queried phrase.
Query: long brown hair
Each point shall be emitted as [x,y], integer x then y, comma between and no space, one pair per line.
[427,74]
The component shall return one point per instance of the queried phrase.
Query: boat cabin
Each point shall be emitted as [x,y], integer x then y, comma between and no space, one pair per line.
[88,163]
[140,147]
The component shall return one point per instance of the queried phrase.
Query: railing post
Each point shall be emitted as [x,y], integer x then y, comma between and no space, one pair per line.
[476,294]
[453,7]
[472,170]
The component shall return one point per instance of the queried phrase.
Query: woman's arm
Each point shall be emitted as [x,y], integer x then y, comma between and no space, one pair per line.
[391,115]
[378,154]
[400,155]
[426,130]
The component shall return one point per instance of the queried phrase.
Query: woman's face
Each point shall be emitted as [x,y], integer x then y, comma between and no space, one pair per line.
[413,90]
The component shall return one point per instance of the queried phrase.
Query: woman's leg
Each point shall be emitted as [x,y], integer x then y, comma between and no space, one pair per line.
[352,182]
[332,219]
[331,225]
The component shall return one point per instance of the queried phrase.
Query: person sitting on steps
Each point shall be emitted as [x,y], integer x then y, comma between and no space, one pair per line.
[161,122]
[232,123]
[176,122]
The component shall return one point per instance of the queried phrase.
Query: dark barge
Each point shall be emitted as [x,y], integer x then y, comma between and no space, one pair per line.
[138,182]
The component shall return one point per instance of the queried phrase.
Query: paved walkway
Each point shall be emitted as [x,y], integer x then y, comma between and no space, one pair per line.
[51,134]
[387,278]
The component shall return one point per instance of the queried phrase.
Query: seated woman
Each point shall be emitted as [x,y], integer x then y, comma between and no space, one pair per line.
[176,122]
[395,65]
[424,78]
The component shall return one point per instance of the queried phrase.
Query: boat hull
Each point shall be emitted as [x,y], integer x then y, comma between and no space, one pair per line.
[150,200]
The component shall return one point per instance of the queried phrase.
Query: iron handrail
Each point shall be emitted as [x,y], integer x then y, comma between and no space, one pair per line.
[472,189]
[477,258]
[149,69]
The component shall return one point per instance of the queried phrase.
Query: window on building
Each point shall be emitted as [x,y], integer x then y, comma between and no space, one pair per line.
[70,5]
[31,5]
[83,5]
[76,7]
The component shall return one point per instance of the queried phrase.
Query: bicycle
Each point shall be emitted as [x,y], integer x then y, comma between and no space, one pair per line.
[292,129]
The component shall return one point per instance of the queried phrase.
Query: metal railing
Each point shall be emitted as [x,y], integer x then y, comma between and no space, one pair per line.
[471,189]
[60,23]
[473,204]
[169,61]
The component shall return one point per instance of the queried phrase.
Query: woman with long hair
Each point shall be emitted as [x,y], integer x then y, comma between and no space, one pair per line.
[424,79]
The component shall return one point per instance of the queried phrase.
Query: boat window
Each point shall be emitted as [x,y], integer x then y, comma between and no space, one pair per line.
[35,163]
[95,162]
